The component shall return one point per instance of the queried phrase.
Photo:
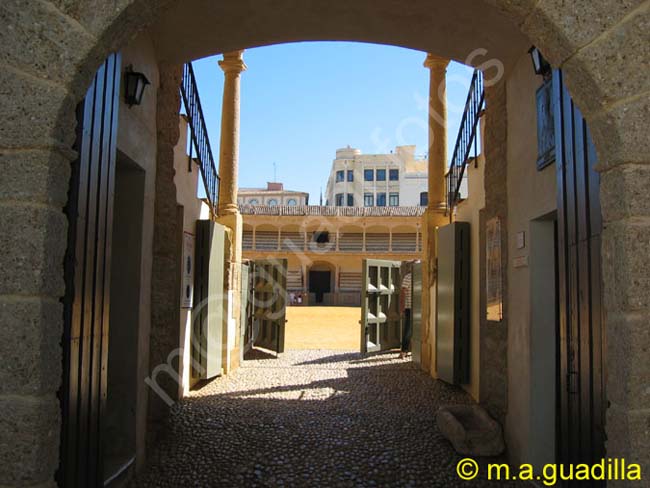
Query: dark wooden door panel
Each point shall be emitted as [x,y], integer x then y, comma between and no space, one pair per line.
[581,366]
[270,302]
[87,272]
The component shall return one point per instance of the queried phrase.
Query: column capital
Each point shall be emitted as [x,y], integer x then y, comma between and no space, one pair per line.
[232,62]
[434,62]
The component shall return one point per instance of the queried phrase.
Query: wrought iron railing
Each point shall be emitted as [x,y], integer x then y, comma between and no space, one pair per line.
[199,136]
[466,137]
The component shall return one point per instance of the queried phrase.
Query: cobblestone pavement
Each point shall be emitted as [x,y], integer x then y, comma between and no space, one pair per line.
[311,418]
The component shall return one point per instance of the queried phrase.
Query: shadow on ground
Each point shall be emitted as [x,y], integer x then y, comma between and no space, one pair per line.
[311,418]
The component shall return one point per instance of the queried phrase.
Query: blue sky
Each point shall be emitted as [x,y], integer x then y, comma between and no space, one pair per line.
[300,102]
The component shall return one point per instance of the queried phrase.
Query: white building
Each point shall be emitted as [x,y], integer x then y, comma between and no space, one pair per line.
[377,180]
[273,194]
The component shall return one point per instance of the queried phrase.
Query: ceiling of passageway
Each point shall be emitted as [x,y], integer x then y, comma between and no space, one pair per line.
[193,29]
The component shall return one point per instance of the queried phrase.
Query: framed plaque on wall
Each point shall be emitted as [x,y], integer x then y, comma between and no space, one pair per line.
[545,126]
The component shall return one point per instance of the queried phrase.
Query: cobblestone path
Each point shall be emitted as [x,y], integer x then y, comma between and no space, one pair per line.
[312,419]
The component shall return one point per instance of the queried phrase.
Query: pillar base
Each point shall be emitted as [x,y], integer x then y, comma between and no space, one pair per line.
[431,220]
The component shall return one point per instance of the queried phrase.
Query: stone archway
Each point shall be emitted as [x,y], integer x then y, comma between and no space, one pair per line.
[50,49]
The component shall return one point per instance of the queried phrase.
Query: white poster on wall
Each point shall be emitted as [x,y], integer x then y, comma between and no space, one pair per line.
[187,282]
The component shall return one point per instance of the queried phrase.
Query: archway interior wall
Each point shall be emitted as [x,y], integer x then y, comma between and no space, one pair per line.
[138,139]
[600,44]
[207,27]
[531,194]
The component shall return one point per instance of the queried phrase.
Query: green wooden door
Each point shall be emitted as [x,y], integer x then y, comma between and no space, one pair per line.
[246,304]
[380,317]
[270,301]
[209,310]
[416,312]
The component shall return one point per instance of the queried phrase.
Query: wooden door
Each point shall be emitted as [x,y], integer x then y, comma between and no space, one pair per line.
[581,366]
[270,302]
[453,303]
[209,309]
[380,317]
[87,277]
[416,312]
[246,305]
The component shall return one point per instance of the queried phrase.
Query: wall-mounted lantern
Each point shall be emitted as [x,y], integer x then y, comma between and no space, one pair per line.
[134,85]
[540,65]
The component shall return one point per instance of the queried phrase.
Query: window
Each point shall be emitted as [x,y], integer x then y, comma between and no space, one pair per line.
[424,199]
[350,200]
[321,237]
[339,199]
[368,200]
[272,202]
[393,175]
[292,202]
[253,201]
[381,175]
[381,199]
[393,199]
[340,176]
[350,175]
[368,175]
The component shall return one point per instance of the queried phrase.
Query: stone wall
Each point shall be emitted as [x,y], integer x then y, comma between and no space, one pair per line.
[50,49]
[167,252]
[493,353]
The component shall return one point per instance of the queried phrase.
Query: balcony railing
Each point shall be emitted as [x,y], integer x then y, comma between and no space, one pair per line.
[330,211]
[199,136]
[467,135]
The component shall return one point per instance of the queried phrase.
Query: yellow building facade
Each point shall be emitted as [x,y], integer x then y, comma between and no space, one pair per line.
[325,246]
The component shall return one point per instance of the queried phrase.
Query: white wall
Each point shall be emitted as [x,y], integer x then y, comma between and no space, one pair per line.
[531,195]
[186,179]
[137,139]
[410,187]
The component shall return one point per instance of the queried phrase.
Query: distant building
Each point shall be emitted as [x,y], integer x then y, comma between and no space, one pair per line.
[325,246]
[274,194]
[377,180]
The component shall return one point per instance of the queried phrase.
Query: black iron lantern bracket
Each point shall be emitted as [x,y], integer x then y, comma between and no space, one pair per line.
[134,85]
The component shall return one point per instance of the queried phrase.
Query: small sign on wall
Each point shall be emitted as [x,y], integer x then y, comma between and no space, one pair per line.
[520,262]
[521,240]
[187,281]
